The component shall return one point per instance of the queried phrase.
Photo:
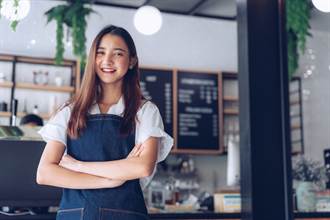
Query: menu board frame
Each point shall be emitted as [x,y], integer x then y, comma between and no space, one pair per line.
[201,149]
[170,71]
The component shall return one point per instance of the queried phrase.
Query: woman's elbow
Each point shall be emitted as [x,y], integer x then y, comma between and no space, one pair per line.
[148,169]
[41,177]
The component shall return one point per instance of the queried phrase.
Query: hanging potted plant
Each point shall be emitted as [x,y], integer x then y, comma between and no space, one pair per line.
[309,176]
[297,26]
[72,15]
[15,4]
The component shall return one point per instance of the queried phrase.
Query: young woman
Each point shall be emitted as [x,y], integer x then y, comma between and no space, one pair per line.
[106,139]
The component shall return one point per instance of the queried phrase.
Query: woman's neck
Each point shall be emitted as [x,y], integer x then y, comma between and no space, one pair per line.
[110,94]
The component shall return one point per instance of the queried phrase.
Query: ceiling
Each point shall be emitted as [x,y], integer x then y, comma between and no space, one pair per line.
[217,9]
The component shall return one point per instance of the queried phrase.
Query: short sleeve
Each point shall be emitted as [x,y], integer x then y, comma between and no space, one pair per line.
[56,128]
[150,124]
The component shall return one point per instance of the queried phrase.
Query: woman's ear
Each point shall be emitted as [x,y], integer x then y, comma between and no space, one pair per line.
[132,62]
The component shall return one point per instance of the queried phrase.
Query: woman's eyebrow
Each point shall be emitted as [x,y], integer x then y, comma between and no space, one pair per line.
[117,48]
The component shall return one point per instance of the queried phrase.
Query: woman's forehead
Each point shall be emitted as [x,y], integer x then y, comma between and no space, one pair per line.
[112,41]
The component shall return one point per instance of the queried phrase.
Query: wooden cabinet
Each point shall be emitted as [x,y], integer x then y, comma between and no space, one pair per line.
[37,83]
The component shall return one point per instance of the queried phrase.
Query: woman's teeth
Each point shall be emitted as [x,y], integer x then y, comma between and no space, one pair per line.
[108,70]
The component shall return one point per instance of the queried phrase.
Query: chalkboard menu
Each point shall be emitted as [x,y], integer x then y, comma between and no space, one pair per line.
[156,85]
[198,111]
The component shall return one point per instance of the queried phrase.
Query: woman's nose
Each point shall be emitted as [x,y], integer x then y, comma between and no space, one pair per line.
[108,58]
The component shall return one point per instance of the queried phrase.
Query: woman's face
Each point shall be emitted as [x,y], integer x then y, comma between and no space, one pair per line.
[112,60]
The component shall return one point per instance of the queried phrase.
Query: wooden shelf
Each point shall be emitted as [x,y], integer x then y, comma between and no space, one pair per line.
[6,57]
[42,115]
[294,91]
[22,114]
[295,115]
[45,87]
[6,84]
[229,75]
[4,114]
[230,98]
[295,127]
[294,102]
[46,61]
[230,111]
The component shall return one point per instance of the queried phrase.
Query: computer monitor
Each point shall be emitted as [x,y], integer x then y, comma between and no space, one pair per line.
[18,166]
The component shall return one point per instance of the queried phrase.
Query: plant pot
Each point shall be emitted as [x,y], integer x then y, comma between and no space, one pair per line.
[306,199]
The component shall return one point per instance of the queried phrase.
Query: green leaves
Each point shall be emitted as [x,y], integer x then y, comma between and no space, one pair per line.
[297,17]
[59,41]
[73,15]
[0,6]
[14,23]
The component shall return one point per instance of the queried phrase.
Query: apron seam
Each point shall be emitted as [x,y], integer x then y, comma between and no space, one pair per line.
[124,211]
[70,210]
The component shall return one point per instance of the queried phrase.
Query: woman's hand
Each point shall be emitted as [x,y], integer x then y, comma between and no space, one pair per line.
[70,163]
[135,152]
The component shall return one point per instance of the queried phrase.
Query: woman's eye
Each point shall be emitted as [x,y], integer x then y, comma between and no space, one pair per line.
[118,54]
[99,53]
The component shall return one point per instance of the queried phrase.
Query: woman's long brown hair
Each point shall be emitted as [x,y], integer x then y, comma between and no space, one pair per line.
[91,92]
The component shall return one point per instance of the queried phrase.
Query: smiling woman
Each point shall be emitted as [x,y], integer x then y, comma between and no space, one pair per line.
[112,135]
[112,61]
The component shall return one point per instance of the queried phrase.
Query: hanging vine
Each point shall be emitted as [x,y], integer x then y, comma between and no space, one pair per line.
[298,16]
[13,23]
[0,6]
[73,15]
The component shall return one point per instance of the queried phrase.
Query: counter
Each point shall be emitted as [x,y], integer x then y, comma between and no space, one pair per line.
[179,216]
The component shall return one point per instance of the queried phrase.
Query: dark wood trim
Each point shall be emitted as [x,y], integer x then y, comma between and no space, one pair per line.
[188,13]
[265,146]
[175,110]
[195,8]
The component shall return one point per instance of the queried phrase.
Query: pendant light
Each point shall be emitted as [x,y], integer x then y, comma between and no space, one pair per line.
[148,20]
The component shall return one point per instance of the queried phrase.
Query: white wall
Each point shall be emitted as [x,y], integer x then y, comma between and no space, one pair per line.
[316,87]
[193,43]
[183,41]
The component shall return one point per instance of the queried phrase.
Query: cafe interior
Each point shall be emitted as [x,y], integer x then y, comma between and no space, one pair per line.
[242,88]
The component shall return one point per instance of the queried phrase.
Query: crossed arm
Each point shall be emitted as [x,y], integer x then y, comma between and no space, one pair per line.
[64,171]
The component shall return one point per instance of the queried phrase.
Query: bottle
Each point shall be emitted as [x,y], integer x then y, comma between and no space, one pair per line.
[35,110]
[14,104]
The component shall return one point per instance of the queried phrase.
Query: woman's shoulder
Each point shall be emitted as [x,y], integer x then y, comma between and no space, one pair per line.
[63,112]
[147,105]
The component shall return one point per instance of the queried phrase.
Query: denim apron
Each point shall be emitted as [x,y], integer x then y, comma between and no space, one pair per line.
[101,141]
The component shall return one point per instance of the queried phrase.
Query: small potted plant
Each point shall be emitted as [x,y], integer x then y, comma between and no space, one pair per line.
[309,176]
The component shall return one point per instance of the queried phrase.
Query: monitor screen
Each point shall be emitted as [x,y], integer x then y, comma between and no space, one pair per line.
[18,166]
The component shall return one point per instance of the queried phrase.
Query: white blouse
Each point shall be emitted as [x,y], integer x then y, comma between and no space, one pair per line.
[149,124]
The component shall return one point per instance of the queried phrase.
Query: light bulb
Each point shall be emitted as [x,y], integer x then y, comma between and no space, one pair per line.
[8,10]
[322,5]
[148,20]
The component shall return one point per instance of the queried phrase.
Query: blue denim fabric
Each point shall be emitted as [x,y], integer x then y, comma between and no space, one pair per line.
[101,141]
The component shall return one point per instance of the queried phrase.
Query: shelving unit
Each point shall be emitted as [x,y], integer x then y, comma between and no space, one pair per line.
[297,131]
[19,83]
[231,114]
[6,84]
[45,87]
[230,106]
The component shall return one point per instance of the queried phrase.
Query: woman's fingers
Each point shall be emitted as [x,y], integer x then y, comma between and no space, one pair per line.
[135,151]
[138,151]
